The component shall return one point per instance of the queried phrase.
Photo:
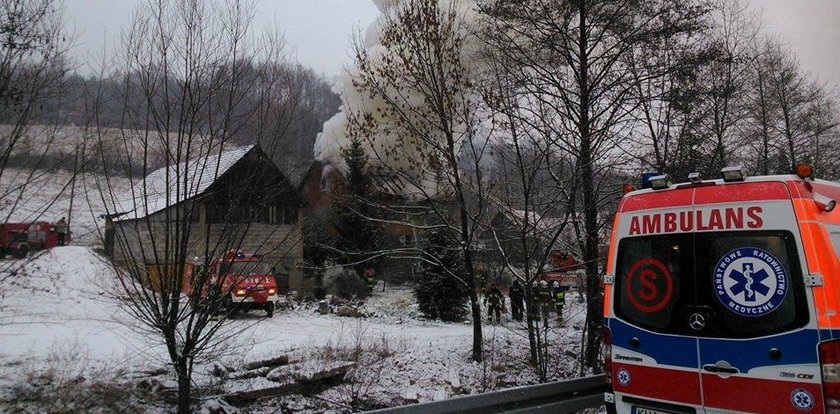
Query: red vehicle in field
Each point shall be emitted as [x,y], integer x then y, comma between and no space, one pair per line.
[18,239]
[246,282]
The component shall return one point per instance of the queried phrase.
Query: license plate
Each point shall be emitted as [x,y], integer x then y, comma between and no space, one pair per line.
[645,410]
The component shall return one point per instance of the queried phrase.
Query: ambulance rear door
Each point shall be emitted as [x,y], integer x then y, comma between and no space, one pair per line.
[757,338]
[655,361]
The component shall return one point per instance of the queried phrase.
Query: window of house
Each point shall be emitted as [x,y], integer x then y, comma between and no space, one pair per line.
[290,215]
[407,240]
[325,183]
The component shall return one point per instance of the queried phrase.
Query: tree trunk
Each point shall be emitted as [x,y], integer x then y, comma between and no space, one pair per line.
[594,315]
[532,337]
[478,340]
[184,386]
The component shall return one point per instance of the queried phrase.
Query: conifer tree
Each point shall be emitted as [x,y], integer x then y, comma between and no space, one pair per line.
[359,236]
[439,293]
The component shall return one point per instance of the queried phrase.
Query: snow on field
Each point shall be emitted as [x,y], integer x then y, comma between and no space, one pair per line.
[60,311]
[39,195]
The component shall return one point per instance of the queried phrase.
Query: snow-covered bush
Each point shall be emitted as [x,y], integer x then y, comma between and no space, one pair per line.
[345,284]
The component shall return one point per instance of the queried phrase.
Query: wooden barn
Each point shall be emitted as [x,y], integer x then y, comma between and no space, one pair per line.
[232,199]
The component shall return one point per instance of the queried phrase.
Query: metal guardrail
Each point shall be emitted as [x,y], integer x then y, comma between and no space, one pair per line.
[555,397]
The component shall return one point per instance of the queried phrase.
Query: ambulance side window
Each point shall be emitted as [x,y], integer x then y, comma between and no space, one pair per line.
[834,234]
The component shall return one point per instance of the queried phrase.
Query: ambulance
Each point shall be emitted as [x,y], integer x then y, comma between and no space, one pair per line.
[722,296]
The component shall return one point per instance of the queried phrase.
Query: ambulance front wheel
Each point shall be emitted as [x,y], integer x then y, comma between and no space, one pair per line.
[269,309]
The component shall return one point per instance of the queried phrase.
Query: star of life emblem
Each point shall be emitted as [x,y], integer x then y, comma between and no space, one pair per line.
[623,376]
[750,281]
[802,399]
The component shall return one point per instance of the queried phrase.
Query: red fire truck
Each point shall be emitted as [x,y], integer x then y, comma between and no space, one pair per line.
[245,280]
[18,239]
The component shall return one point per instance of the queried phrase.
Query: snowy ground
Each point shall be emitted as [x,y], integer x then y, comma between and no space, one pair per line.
[38,195]
[59,324]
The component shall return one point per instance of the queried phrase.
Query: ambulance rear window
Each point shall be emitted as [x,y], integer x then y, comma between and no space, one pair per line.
[742,284]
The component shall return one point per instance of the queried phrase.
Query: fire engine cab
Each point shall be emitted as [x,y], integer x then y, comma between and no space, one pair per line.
[723,296]
[246,282]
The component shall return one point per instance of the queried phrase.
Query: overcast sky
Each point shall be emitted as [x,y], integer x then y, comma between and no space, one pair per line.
[318,31]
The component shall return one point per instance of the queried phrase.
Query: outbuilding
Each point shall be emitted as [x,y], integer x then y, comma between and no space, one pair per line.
[231,199]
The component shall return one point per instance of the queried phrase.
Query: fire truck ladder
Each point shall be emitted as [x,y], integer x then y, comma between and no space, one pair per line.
[556,397]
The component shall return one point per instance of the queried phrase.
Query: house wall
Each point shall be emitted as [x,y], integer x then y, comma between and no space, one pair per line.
[143,242]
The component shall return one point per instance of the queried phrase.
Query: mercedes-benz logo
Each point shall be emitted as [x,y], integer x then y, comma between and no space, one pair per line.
[697,321]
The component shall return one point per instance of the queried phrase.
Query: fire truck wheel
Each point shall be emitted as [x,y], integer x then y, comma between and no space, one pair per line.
[22,252]
[269,309]
[231,308]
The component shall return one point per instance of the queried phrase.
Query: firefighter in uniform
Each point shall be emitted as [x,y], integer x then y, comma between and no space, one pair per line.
[559,299]
[516,300]
[544,299]
[370,279]
[494,301]
[61,230]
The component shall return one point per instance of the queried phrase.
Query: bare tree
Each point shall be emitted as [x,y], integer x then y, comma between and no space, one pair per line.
[758,130]
[529,220]
[804,117]
[423,125]
[191,71]
[32,68]
[725,80]
[575,58]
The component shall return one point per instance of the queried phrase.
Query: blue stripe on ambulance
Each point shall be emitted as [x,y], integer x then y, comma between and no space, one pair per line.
[797,347]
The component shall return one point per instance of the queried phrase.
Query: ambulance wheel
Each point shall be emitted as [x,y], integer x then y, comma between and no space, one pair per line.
[269,309]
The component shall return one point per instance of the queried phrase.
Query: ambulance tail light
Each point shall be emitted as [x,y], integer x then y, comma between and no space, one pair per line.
[607,338]
[735,173]
[830,366]
[660,182]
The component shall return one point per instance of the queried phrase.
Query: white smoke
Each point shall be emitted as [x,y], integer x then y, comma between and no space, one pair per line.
[333,139]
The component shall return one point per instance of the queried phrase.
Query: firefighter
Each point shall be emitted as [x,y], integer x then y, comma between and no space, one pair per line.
[544,300]
[495,302]
[516,300]
[559,299]
[61,230]
[370,279]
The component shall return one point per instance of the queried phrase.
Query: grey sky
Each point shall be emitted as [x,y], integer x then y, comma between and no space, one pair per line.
[811,28]
[318,31]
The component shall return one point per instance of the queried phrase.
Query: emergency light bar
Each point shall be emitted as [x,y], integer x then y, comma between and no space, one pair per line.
[660,182]
[694,178]
[735,173]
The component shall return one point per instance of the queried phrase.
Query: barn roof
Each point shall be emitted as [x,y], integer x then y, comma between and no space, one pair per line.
[173,184]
